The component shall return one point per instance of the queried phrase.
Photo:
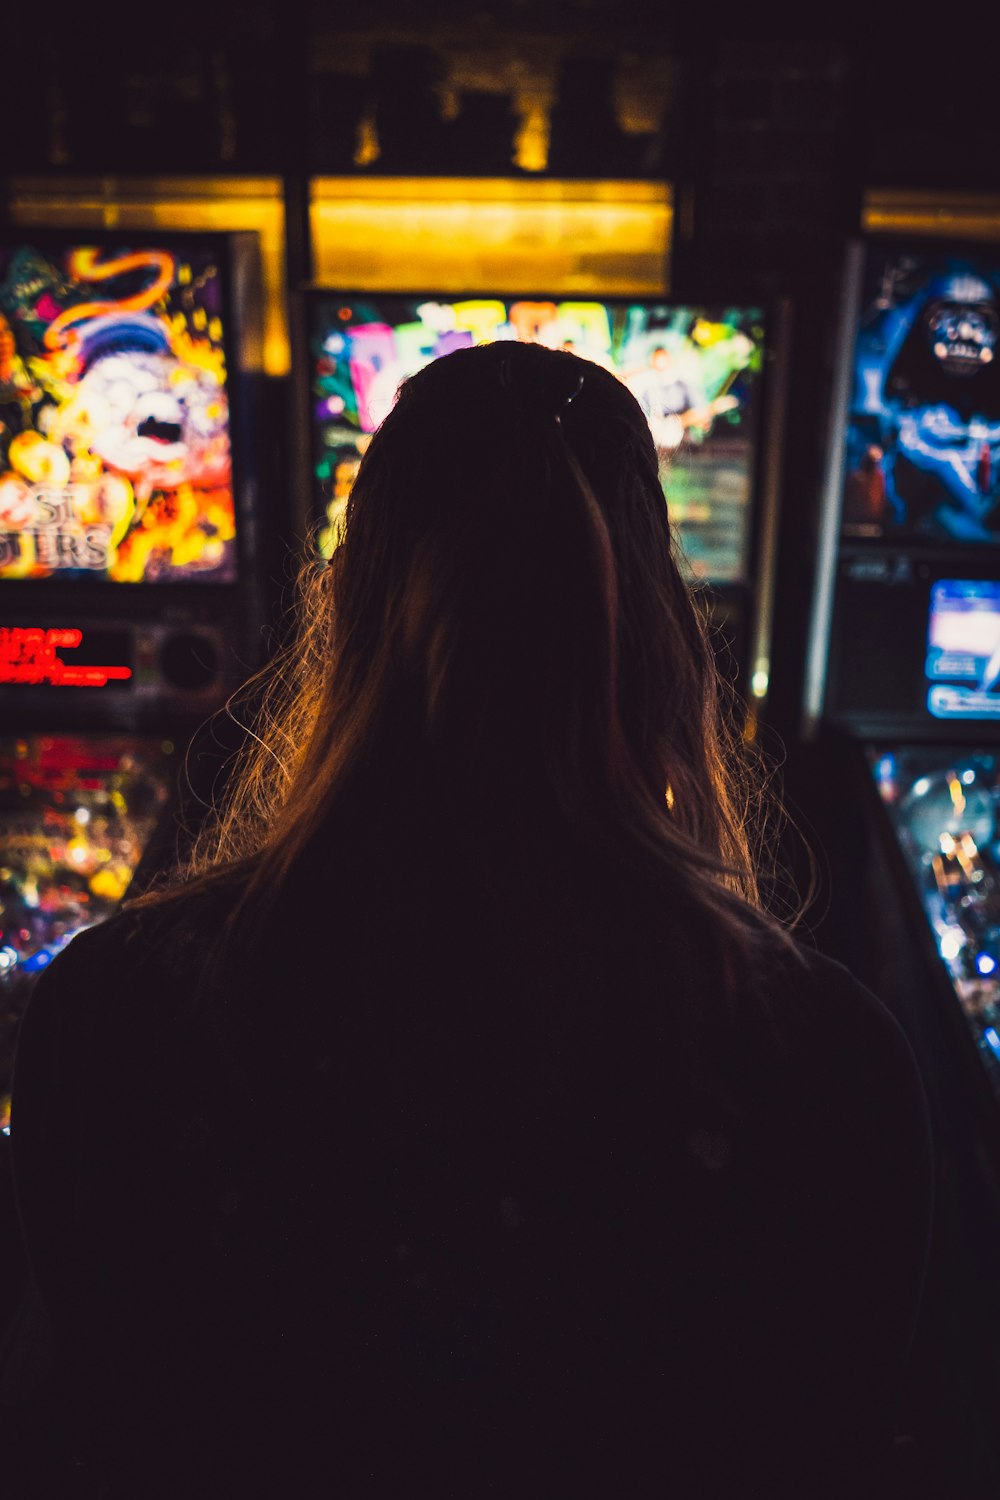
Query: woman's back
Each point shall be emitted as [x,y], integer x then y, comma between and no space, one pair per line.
[462,1125]
[465,1176]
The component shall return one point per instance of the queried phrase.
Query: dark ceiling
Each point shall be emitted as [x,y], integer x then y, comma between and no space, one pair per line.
[575,87]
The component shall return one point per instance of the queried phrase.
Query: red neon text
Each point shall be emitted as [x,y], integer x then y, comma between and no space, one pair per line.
[30,657]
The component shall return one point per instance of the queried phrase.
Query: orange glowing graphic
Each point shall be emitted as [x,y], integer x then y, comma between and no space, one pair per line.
[85,265]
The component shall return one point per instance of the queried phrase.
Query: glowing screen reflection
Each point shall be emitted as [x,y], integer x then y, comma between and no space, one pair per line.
[75,818]
[943,804]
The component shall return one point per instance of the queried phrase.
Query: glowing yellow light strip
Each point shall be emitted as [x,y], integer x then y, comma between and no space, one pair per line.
[453,234]
[905,211]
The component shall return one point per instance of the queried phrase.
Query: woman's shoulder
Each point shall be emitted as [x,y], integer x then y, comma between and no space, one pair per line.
[169,921]
[822,1008]
[842,1093]
[124,971]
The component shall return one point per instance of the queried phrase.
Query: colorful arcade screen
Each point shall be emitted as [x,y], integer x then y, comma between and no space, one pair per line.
[923,434]
[695,371]
[114,420]
[963,649]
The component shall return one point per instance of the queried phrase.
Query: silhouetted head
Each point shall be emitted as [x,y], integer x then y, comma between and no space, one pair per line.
[507,578]
[504,618]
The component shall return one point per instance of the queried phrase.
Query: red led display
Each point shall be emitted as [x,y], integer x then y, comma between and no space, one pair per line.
[30,656]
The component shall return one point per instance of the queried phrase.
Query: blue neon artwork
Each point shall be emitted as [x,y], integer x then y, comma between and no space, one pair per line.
[923,436]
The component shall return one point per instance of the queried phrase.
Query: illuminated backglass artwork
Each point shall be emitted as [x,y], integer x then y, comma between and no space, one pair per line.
[922,454]
[115,459]
[695,371]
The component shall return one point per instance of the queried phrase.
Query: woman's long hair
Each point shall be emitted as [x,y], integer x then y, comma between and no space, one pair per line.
[504,618]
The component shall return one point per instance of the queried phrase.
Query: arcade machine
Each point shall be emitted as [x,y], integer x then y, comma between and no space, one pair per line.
[904,680]
[129,604]
[708,378]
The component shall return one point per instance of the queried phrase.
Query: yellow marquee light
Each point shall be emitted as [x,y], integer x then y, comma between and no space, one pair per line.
[910,211]
[214,204]
[453,234]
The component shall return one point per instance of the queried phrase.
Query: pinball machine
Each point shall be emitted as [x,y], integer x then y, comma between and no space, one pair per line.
[129,586]
[903,696]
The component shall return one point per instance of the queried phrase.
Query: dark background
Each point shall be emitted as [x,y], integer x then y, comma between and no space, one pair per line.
[770,146]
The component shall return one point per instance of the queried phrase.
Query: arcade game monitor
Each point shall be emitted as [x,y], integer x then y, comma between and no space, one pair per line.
[696,372]
[913,673]
[125,597]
